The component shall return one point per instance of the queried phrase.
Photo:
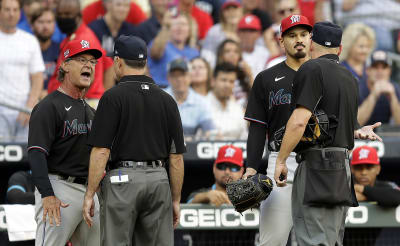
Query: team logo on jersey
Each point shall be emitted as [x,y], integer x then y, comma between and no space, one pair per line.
[66,53]
[85,44]
[279,98]
[363,154]
[73,127]
[295,18]
[230,152]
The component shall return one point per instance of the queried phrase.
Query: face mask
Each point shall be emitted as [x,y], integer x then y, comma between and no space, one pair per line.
[67,25]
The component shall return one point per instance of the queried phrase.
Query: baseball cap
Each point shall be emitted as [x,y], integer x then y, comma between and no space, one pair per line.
[295,20]
[78,46]
[250,22]
[178,64]
[380,56]
[230,3]
[230,154]
[327,34]
[364,155]
[130,48]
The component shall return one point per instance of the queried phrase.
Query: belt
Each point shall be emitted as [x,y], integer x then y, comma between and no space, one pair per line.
[135,164]
[71,179]
[301,155]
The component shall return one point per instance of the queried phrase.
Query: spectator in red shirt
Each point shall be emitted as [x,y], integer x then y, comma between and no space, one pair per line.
[204,20]
[70,22]
[98,8]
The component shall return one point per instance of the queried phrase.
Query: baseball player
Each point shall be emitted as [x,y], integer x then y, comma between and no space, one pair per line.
[268,110]
[58,154]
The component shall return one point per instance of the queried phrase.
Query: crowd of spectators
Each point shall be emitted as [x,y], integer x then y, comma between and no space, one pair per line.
[218,46]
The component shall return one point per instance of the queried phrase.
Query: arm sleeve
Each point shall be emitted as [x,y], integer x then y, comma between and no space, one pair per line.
[107,117]
[307,86]
[385,196]
[257,105]
[356,123]
[175,128]
[38,163]
[256,144]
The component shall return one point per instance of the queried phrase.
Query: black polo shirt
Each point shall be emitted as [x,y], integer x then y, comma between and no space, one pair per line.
[325,84]
[138,121]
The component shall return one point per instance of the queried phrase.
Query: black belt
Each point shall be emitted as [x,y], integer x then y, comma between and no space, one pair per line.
[301,155]
[135,164]
[71,179]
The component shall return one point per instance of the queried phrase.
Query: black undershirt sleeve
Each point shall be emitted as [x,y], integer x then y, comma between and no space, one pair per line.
[384,196]
[256,144]
[38,163]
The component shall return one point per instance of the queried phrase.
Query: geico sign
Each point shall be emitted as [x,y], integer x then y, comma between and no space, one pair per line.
[357,215]
[209,150]
[379,146]
[11,153]
[204,217]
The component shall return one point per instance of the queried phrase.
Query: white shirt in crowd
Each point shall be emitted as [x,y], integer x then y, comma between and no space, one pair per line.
[20,56]
[228,121]
[256,59]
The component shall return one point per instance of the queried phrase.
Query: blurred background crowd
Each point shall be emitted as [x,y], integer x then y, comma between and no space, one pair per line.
[205,53]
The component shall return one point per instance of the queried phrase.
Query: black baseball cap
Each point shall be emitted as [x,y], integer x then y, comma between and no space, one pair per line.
[130,48]
[178,64]
[380,56]
[327,34]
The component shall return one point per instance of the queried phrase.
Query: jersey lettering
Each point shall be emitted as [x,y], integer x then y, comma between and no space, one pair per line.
[73,128]
[279,98]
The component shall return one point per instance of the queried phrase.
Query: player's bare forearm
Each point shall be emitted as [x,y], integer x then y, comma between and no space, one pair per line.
[36,89]
[294,131]
[97,164]
[176,171]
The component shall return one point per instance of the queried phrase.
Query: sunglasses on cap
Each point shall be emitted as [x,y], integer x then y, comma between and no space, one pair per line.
[232,167]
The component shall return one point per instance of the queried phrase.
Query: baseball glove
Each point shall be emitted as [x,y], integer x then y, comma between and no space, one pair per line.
[248,193]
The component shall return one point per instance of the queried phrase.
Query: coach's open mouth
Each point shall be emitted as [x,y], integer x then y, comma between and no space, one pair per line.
[86,74]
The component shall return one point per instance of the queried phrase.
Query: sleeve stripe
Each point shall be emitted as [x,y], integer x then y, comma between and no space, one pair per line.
[258,121]
[18,187]
[38,147]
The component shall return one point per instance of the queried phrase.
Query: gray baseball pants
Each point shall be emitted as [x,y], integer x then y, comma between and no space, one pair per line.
[137,210]
[73,226]
[316,225]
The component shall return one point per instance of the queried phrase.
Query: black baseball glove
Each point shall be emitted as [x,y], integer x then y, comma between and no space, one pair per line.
[248,193]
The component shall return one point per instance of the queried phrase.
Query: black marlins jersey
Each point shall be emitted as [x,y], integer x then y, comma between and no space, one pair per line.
[270,99]
[59,127]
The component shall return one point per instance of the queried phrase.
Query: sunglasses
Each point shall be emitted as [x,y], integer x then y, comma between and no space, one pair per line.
[232,167]
[283,11]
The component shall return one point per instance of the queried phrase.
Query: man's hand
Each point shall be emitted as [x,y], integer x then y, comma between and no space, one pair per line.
[359,188]
[281,172]
[176,213]
[51,207]
[367,132]
[360,197]
[88,209]
[23,118]
[249,172]
[217,197]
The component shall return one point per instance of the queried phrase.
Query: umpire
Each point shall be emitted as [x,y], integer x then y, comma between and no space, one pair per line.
[322,185]
[137,128]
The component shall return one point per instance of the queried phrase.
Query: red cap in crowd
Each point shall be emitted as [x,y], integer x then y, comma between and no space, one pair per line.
[229,3]
[230,154]
[250,22]
[364,155]
[295,20]
[78,46]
